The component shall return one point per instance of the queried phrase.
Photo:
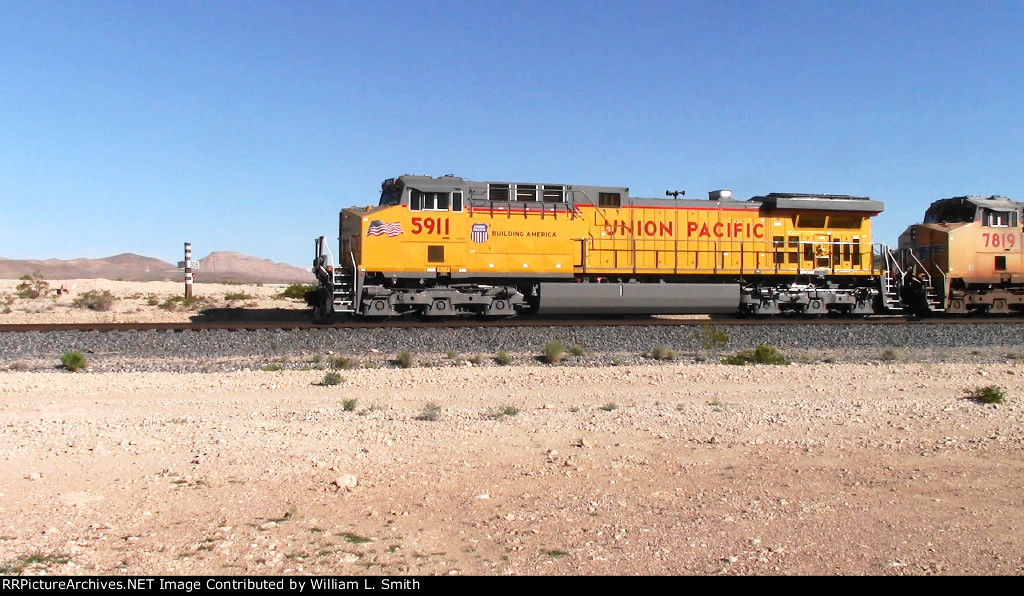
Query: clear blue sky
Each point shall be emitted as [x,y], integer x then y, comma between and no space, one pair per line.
[133,126]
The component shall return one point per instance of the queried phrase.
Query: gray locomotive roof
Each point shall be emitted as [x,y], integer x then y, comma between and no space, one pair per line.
[589,195]
[999,203]
[575,193]
[696,203]
[430,184]
[819,202]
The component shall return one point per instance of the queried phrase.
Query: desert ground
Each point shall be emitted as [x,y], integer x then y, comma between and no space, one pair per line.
[677,468]
[138,301]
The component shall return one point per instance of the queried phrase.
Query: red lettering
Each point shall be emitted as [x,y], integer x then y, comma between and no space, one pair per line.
[759,233]
[704,231]
[691,227]
[665,229]
[650,228]
[718,229]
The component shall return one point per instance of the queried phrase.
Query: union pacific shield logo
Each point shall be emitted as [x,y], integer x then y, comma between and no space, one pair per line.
[377,228]
[479,233]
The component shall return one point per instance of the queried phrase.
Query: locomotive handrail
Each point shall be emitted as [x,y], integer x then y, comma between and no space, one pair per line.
[637,250]
[355,277]
[321,246]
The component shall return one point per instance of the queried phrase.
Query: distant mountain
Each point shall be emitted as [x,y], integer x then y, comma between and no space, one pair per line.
[126,266]
[226,266]
[217,267]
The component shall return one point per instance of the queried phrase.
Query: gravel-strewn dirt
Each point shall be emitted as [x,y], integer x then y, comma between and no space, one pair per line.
[138,301]
[669,469]
[821,467]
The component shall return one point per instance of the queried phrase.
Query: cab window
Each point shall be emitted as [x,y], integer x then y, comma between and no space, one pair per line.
[999,219]
[428,201]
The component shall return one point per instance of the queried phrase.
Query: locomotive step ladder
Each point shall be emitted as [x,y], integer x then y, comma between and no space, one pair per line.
[344,287]
[342,279]
[900,269]
[344,290]
[935,303]
[890,280]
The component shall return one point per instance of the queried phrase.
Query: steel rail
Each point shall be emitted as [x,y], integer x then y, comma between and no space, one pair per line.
[506,323]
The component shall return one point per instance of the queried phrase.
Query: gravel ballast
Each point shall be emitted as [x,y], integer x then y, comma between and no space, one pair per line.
[199,350]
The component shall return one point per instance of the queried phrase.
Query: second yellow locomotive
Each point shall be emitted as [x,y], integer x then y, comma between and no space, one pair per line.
[446,246]
[966,257]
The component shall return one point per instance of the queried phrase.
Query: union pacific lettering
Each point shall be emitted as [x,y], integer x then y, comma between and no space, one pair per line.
[732,229]
[638,228]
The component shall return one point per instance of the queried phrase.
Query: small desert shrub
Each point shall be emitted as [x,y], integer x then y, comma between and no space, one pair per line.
[890,354]
[297,291]
[610,407]
[991,394]
[662,353]
[271,367]
[505,411]
[554,351]
[452,355]
[762,354]
[237,296]
[713,338]
[578,351]
[503,358]
[405,359]
[349,405]
[17,566]
[476,359]
[183,303]
[74,360]
[31,286]
[343,363]
[331,378]
[95,300]
[431,412]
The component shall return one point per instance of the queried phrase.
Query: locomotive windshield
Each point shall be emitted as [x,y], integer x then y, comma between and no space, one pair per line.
[390,197]
[955,211]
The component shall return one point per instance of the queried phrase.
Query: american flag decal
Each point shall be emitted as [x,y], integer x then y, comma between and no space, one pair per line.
[377,228]
[479,233]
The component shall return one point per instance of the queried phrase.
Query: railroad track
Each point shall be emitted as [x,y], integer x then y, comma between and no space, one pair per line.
[515,322]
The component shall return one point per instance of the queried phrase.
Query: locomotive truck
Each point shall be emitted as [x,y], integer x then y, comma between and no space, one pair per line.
[449,246]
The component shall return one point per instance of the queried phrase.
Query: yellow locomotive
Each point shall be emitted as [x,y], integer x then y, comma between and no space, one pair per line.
[965,258]
[449,246]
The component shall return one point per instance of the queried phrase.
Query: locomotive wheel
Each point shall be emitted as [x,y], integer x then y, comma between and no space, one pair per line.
[324,305]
